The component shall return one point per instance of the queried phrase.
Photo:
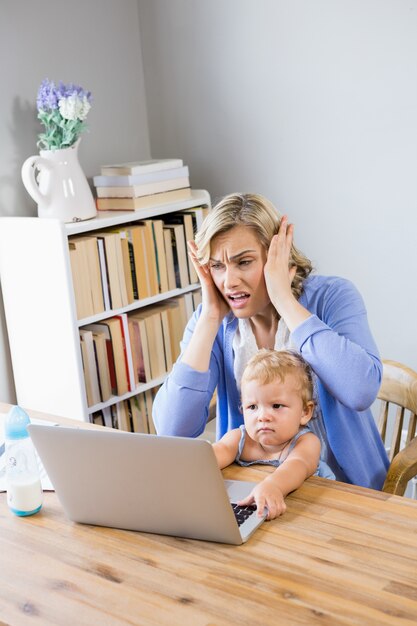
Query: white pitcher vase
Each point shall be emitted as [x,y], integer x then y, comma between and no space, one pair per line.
[57,183]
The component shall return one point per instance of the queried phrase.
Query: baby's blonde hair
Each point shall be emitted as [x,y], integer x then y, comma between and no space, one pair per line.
[266,366]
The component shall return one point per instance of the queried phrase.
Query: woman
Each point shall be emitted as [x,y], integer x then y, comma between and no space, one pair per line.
[258,292]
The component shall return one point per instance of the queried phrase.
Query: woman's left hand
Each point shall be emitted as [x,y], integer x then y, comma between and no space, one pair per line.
[278,275]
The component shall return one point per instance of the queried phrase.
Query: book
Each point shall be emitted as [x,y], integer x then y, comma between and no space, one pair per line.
[143,410]
[137,236]
[170,259]
[127,349]
[139,420]
[87,273]
[149,396]
[94,274]
[179,253]
[167,338]
[155,340]
[83,301]
[140,167]
[140,349]
[135,350]
[186,220]
[125,276]
[129,414]
[123,266]
[103,369]
[113,416]
[80,252]
[106,411]
[104,330]
[162,309]
[115,270]
[104,273]
[87,373]
[184,317]
[137,191]
[122,416]
[145,202]
[160,257]
[112,326]
[132,265]
[176,326]
[97,417]
[150,257]
[141,179]
[154,334]
[198,214]
[90,367]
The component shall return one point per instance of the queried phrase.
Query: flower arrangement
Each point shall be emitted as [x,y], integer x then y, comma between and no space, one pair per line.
[62,110]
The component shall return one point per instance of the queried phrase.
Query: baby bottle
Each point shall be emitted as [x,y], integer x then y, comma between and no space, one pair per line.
[24,489]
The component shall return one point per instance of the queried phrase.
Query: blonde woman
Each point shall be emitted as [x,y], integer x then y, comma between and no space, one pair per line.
[258,291]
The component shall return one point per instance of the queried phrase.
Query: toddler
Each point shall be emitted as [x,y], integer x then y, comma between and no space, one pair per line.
[278,402]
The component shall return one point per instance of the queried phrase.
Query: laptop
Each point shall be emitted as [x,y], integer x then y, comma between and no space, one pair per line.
[141,482]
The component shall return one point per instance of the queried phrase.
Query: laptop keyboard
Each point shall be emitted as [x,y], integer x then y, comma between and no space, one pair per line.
[242,512]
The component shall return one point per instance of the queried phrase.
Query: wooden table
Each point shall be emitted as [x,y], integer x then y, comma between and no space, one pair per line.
[339,555]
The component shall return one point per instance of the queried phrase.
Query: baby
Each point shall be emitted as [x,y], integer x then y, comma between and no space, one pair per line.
[277,403]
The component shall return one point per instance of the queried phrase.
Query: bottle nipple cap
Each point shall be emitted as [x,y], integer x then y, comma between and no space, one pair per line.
[15,424]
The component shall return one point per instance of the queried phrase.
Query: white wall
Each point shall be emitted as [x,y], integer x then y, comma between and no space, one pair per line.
[95,44]
[312,103]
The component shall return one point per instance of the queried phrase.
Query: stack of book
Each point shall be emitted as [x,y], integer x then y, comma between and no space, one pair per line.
[141,184]
[112,268]
[123,351]
[133,415]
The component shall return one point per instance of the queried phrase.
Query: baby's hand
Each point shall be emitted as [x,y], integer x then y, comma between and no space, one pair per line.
[266,494]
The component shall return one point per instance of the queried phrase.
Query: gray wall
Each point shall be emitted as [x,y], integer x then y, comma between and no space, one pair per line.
[314,104]
[95,44]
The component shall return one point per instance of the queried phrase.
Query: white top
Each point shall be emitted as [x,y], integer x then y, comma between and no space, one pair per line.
[244,344]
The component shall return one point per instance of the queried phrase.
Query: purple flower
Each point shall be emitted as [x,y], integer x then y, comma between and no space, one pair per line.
[49,95]
[62,109]
[47,99]
[65,91]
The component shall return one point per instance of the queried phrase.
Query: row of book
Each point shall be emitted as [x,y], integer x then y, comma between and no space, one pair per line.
[116,266]
[132,415]
[124,350]
[139,184]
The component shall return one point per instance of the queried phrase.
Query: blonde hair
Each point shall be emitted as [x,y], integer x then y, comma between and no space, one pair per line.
[266,366]
[259,214]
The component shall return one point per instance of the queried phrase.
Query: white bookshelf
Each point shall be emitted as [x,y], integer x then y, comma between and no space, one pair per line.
[40,308]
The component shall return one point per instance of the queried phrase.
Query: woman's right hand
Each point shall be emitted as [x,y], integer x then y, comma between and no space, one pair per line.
[214,306]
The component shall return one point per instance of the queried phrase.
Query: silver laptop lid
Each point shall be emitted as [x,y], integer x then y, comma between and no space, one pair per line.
[165,485]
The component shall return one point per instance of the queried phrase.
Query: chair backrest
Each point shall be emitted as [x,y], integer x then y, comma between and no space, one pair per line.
[399,388]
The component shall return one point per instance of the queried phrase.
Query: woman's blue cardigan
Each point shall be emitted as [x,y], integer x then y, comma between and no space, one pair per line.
[335,340]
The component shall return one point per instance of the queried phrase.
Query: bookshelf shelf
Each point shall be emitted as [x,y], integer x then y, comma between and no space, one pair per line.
[40,307]
[139,389]
[138,304]
[107,219]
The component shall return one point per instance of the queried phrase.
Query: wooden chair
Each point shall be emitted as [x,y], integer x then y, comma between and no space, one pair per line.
[399,388]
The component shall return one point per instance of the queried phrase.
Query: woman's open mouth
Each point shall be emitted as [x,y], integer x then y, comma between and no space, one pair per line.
[238,300]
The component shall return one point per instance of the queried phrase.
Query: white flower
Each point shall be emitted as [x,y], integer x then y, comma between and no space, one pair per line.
[62,110]
[73,108]
[85,107]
